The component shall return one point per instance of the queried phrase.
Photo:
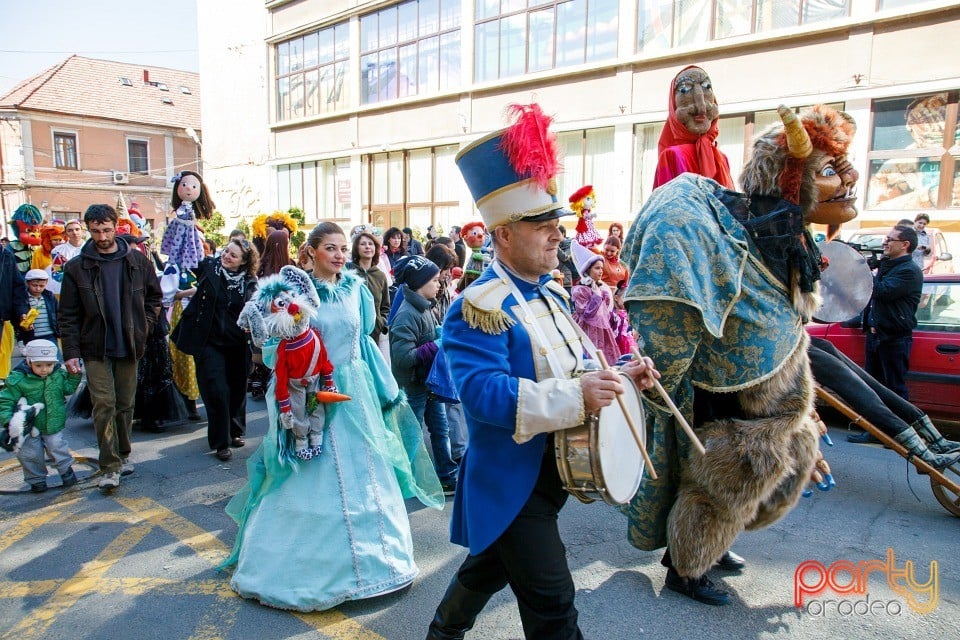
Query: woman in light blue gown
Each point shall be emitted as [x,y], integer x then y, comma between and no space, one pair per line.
[317,533]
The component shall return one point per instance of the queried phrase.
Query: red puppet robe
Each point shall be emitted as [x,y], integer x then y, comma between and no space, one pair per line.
[302,357]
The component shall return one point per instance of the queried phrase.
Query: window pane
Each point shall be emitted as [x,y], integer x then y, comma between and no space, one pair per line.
[326,53]
[380,194]
[65,151]
[388,81]
[602,24]
[429,17]
[283,98]
[892,4]
[341,36]
[369,86]
[730,142]
[449,14]
[395,177]
[570,146]
[777,14]
[571,32]
[541,40]
[733,17]
[487,8]
[513,45]
[296,186]
[388,27]
[428,76]
[309,203]
[407,21]
[369,34]
[407,71]
[137,156]
[903,183]
[296,54]
[600,165]
[421,176]
[283,58]
[487,43]
[763,119]
[909,123]
[645,161]
[655,25]
[283,187]
[296,95]
[450,60]
[419,218]
[693,22]
[448,178]
[310,51]
[822,10]
[311,87]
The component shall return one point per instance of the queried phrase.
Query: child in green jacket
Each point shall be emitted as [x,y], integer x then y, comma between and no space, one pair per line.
[41,379]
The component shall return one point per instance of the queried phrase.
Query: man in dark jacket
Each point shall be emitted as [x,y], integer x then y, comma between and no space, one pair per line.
[109,302]
[414,247]
[892,313]
[13,295]
[458,246]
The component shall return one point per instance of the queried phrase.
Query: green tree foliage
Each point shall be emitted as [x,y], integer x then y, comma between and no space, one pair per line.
[300,236]
[213,227]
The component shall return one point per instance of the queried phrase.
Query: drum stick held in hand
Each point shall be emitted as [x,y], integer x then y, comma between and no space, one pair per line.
[633,427]
[673,408]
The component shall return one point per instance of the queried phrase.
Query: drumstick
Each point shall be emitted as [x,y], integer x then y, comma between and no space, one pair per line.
[673,408]
[633,427]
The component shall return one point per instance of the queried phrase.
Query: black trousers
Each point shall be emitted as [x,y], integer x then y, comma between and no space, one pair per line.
[888,360]
[222,379]
[531,558]
[867,395]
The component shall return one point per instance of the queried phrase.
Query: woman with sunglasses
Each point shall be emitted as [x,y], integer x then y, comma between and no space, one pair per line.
[208,331]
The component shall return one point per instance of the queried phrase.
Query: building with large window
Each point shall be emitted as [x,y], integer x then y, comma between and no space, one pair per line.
[85,131]
[354,111]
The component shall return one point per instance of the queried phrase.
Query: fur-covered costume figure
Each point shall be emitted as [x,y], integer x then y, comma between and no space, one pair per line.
[51,235]
[26,228]
[182,242]
[721,286]
[582,202]
[282,308]
[263,223]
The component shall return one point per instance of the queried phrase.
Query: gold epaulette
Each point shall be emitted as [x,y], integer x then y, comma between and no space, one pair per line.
[483,306]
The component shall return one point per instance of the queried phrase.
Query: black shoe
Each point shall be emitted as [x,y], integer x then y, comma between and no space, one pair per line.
[38,487]
[730,561]
[449,487]
[700,589]
[68,479]
[153,427]
[862,438]
[224,454]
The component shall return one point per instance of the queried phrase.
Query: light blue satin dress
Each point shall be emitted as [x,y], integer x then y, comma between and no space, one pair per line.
[317,533]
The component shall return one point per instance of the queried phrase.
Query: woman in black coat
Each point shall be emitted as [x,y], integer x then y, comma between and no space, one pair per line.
[208,331]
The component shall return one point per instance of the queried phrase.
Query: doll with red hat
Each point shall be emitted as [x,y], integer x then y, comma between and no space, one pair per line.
[582,202]
[474,235]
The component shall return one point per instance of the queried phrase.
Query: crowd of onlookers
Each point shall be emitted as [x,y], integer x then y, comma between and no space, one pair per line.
[194,350]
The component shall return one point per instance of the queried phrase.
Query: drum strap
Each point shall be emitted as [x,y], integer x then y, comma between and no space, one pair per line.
[541,337]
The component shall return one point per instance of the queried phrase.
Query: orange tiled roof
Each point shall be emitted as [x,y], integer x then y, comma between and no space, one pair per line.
[88,87]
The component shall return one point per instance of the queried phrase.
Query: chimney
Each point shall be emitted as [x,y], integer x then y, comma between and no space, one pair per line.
[146,76]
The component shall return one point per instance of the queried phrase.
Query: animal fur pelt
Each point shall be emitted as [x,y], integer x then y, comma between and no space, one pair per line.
[21,425]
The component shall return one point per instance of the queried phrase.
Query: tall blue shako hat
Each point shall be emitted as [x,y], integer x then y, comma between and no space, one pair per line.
[511,173]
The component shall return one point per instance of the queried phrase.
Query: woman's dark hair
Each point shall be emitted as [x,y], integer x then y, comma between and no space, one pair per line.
[618,226]
[250,254]
[100,213]
[613,241]
[203,207]
[442,256]
[276,253]
[212,245]
[355,251]
[321,231]
[302,255]
[391,232]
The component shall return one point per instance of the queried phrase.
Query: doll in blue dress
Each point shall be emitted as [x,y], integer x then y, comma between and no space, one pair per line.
[182,242]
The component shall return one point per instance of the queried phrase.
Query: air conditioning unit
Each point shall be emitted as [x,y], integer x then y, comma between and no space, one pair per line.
[119,177]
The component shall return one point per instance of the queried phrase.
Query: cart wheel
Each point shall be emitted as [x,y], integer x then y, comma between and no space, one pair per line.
[946,497]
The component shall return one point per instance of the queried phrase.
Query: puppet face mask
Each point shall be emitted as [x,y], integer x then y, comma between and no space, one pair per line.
[189,188]
[696,106]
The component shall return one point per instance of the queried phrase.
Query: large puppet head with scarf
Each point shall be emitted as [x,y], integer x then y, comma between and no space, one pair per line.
[26,223]
[804,160]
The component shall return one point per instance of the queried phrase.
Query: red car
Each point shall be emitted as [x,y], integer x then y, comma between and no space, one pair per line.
[934,377]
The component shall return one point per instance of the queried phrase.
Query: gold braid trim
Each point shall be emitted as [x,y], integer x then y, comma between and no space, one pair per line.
[490,321]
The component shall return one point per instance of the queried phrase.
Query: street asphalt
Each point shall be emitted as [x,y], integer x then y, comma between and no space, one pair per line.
[141,563]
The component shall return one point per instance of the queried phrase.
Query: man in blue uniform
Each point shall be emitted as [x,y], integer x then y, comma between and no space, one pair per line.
[517,360]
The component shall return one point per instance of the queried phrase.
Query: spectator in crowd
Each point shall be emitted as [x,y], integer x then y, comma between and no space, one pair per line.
[208,331]
[593,303]
[616,231]
[209,247]
[62,253]
[458,246]
[43,323]
[567,265]
[13,303]
[891,315]
[923,250]
[109,331]
[413,347]
[414,247]
[364,258]
[394,246]
[614,271]
[40,378]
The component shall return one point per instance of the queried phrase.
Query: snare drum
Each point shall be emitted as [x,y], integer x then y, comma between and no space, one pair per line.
[600,459]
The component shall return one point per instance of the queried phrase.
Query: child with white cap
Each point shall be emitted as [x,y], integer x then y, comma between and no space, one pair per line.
[41,379]
[40,321]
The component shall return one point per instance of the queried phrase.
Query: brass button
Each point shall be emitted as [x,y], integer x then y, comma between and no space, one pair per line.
[543,351]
